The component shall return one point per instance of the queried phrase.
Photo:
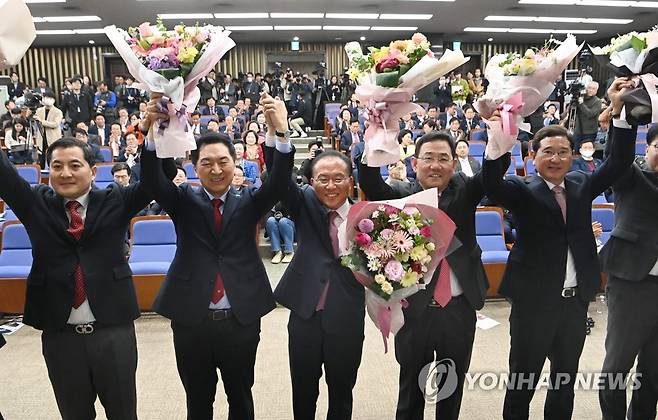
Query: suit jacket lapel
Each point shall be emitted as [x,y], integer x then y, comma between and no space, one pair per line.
[540,189]
[232,201]
[447,196]
[59,214]
[96,199]
[320,219]
[207,212]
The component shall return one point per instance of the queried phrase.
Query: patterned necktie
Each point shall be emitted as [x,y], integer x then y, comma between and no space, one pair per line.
[76,228]
[443,290]
[558,191]
[218,290]
[333,234]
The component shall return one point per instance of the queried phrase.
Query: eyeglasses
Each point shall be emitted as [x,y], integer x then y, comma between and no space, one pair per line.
[561,154]
[443,160]
[325,180]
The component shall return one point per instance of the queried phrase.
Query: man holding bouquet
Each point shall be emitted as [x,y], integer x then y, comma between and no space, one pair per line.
[440,320]
[326,302]
[553,271]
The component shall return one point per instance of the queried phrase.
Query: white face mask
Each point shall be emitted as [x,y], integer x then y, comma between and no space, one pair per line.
[48,101]
[587,153]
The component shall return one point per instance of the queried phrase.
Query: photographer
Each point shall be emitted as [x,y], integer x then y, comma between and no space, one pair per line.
[20,142]
[105,102]
[334,89]
[347,86]
[588,109]
[315,147]
[301,116]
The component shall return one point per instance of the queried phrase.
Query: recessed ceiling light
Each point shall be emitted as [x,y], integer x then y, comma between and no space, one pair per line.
[241,15]
[249,28]
[531,30]
[170,16]
[351,15]
[394,28]
[92,42]
[363,38]
[345,28]
[557,19]
[490,39]
[55,32]
[71,18]
[90,31]
[297,15]
[296,38]
[297,28]
[405,16]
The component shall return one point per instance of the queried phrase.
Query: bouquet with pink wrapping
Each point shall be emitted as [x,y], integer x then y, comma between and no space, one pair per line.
[387,79]
[518,85]
[393,249]
[635,55]
[171,62]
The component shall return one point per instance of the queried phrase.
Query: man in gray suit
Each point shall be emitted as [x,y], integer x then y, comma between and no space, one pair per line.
[630,259]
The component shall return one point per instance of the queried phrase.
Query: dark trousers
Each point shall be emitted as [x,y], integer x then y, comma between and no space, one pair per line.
[632,332]
[439,333]
[538,332]
[310,347]
[101,364]
[201,350]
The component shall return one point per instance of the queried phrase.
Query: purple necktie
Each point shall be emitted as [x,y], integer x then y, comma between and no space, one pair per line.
[558,191]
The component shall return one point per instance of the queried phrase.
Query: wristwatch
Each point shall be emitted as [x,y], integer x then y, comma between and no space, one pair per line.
[286,134]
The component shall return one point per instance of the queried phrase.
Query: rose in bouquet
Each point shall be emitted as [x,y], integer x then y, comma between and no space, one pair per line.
[635,55]
[387,79]
[171,62]
[518,85]
[393,249]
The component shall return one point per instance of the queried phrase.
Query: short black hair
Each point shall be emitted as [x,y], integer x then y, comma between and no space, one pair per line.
[467,107]
[77,130]
[354,120]
[196,113]
[212,138]
[42,79]
[551,131]
[9,101]
[435,136]
[652,134]
[432,107]
[586,140]
[453,119]
[462,141]
[120,166]
[430,123]
[452,104]
[336,154]
[315,142]
[65,143]
[403,133]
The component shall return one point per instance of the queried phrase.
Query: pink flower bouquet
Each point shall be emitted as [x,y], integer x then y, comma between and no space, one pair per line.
[393,249]
[387,79]
[518,85]
[171,62]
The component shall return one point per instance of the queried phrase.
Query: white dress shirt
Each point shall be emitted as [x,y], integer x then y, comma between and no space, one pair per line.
[466,166]
[570,277]
[223,302]
[83,314]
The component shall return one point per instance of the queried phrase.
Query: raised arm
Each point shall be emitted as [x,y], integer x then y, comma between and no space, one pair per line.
[372,184]
[14,190]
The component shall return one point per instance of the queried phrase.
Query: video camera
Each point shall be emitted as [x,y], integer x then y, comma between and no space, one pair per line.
[31,99]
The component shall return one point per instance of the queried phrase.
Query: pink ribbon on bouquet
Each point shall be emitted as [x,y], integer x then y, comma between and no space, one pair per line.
[508,111]
[377,112]
[650,82]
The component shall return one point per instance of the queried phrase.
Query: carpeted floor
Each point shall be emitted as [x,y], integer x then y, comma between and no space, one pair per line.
[25,392]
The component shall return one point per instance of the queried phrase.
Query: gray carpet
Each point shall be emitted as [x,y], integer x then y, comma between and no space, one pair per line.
[25,392]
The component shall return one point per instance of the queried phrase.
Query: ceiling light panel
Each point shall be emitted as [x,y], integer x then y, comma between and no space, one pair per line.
[364,16]
[297,15]
[241,15]
[405,16]
[171,16]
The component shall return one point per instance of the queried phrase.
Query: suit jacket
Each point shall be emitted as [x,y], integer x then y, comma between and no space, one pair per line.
[346,140]
[219,111]
[51,125]
[632,249]
[475,165]
[459,201]
[200,253]
[536,266]
[93,131]
[17,91]
[581,165]
[475,124]
[101,250]
[78,108]
[314,265]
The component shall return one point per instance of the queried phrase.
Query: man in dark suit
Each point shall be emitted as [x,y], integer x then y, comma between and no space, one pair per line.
[81,135]
[101,131]
[471,120]
[465,163]
[351,136]
[444,329]
[629,258]
[77,106]
[80,291]
[326,302]
[553,271]
[217,290]
[586,162]
[16,88]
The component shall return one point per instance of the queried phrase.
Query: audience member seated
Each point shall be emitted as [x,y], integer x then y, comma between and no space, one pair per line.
[195,124]
[455,132]
[239,182]
[115,141]
[99,133]
[407,146]
[121,173]
[213,126]
[253,150]
[129,153]
[281,231]
[351,137]
[343,121]
[315,147]
[471,120]
[81,134]
[551,116]
[429,126]
[407,123]
[212,109]
[451,112]
[397,174]
[250,169]
[20,142]
[465,163]
[231,128]
[586,162]
[154,208]
[301,116]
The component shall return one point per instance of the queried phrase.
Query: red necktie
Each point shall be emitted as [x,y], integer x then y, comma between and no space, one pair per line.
[218,290]
[558,191]
[442,290]
[333,234]
[76,228]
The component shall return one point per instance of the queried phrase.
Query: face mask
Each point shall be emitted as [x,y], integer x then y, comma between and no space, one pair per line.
[587,153]
[249,79]
[49,101]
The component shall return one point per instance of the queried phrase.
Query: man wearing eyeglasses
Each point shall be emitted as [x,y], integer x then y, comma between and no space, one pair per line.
[553,271]
[326,302]
[434,330]
[629,258]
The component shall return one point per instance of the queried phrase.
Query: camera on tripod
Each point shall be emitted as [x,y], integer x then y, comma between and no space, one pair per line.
[30,99]
[577,91]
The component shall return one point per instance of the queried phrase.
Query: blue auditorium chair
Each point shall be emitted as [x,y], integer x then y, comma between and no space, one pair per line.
[106,152]
[331,111]
[153,245]
[529,166]
[600,200]
[490,236]
[476,148]
[190,172]
[478,135]
[16,252]
[640,148]
[30,173]
[516,154]
[103,175]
